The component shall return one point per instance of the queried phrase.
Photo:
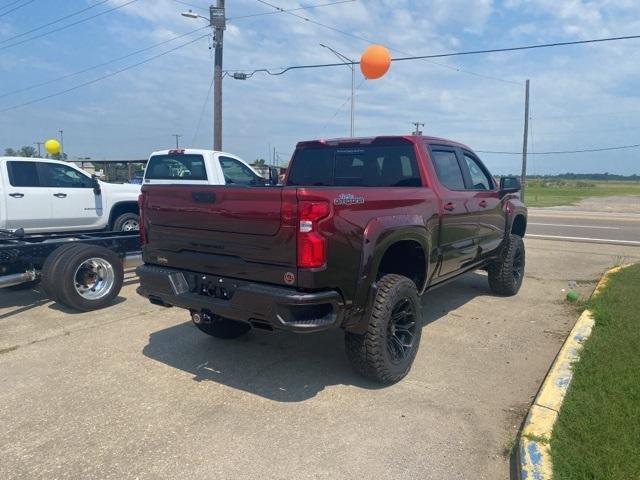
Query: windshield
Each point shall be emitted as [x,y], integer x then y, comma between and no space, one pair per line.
[176,167]
[359,166]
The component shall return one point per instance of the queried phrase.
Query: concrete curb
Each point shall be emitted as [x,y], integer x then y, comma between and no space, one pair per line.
[533,446]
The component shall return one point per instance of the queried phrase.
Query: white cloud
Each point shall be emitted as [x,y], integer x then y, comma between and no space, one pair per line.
[137,111]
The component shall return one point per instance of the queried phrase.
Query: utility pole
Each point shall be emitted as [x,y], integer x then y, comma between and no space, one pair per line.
[62,144]
[39,151]
[523,179]
[418,132]
[177,139]
[218,22]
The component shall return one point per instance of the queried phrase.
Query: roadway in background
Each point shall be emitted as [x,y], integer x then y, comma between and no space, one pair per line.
[584,226]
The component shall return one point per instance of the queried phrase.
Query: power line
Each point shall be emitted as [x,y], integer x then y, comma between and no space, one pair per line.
[54,22]
[261,14]
[287,10]
[103,77]
[7,5]
[199,7]
[103,64]
[563,152]
[450,67]
[453,54]
[16,8]
[204,106]
[342,106]
[64,27]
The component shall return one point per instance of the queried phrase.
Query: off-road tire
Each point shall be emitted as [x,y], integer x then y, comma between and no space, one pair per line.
[224,328]
[63,273]
[507,274]
[49,279]
[120,222]
[369,354]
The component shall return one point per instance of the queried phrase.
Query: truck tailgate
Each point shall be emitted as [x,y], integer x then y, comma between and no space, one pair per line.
[241,232]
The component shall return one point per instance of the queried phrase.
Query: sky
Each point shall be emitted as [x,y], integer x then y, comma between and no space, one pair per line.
[582,97]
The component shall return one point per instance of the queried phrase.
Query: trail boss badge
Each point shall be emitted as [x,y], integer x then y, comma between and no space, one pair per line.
[348,199]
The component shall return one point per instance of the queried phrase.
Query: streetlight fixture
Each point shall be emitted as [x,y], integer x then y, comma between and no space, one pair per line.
[351,64]
[217,21]
[192,14]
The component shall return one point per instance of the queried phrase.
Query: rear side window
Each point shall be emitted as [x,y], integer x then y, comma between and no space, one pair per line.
[362,166]
[176,167]
[448,169]
[23,174]
[480,180]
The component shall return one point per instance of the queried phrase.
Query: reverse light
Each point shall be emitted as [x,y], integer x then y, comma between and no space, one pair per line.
[312,251]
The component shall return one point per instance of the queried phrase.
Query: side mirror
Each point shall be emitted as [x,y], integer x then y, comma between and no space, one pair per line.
[96,184]
[273,176]
[509,185]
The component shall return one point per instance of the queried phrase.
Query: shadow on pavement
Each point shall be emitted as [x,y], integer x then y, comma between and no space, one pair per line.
[286,367]
[21,300]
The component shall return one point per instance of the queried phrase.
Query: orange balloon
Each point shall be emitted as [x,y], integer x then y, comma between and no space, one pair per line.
[375,62]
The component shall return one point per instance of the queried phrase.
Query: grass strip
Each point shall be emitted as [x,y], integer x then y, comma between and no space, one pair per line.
[555,193]
[597,434]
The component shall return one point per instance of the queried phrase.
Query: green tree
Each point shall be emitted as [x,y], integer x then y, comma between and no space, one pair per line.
[260,162]
[10,152]
[27,151]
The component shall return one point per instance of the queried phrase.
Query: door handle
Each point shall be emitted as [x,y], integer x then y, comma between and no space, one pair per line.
[60,195]
[449,207]
[203,197]
[16,195]
[483,204]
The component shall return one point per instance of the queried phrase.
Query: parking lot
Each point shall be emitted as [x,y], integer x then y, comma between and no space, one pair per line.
[135,391]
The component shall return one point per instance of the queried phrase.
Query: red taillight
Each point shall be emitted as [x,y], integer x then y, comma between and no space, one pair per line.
[312,250]
[143,233]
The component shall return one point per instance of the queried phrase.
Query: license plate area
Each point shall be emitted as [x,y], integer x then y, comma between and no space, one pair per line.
[216,287]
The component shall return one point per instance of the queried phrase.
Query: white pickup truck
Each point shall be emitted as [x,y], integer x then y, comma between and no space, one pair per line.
[200,167]
[42,195]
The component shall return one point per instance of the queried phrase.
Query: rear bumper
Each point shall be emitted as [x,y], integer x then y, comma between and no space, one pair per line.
[262,305]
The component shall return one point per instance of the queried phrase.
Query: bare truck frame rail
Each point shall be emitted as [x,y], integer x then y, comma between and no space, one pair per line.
[83,271]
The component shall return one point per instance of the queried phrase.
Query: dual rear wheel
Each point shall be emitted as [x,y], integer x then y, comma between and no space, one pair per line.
[83,277]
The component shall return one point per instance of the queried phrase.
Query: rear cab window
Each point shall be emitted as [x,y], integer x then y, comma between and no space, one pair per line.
[355,166]
[176,167]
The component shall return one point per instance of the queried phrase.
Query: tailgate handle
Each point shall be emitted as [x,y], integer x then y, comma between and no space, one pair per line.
[203,197]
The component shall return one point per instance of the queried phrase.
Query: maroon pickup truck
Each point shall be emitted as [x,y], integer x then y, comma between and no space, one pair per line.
[360,229]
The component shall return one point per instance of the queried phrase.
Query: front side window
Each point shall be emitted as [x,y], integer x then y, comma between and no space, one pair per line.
[237,173]
[176,167]
[63,176]
[23,174]
[448,169]
[479,179]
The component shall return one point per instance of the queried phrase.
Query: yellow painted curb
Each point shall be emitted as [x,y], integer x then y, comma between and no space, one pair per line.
[534,455]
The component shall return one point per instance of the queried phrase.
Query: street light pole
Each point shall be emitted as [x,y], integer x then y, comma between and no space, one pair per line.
[217,20]
[177,140]
[349,63]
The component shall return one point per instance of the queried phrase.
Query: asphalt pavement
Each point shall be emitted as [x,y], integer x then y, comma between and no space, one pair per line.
[135,391]
[584,226]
